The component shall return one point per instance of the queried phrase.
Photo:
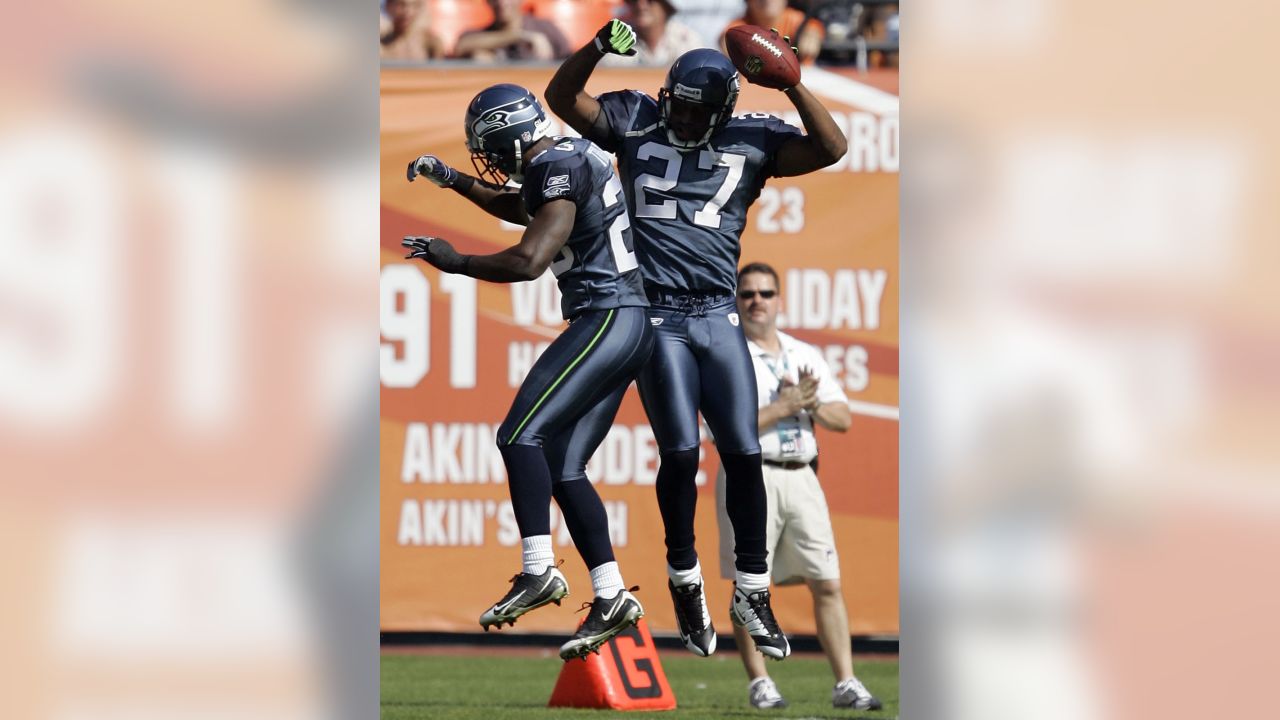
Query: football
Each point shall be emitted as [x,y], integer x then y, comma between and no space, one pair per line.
[762,56]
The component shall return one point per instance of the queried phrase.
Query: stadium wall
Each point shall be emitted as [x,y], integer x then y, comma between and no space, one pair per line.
[454,350]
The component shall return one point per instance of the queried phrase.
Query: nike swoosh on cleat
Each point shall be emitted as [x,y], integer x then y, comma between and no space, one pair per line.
[608,615]
[503,607]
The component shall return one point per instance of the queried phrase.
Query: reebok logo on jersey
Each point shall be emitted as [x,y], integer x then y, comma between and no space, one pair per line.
[564,146]
[687,93]
[733,319]
[655,321]
[557,180]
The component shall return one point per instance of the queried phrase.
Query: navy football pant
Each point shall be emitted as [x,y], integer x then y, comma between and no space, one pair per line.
[700,362]
[561,413]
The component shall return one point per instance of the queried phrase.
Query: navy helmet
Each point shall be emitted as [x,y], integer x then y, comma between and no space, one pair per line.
[697,98]
[502,122]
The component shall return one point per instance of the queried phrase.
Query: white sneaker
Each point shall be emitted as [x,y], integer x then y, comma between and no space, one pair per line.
[764,694]
[852,693]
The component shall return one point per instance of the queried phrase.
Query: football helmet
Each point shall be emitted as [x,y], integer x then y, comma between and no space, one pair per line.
[502,122]
[697,97]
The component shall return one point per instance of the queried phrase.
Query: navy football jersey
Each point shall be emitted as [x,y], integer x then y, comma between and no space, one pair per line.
[597,268]
[689,208]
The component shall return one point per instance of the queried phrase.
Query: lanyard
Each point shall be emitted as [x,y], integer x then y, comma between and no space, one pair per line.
[774,366]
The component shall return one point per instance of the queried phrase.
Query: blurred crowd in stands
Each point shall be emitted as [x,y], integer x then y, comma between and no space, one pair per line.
[852,32]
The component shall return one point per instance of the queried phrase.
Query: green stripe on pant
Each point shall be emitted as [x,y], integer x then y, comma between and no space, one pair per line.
[516,433]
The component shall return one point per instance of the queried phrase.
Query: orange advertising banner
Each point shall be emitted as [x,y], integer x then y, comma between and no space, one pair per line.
[454,350]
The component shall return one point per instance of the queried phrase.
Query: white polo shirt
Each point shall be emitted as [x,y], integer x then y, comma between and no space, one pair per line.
[791,439]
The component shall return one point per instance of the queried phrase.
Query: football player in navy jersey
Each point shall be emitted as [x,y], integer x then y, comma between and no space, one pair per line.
[691,170]
[571,202]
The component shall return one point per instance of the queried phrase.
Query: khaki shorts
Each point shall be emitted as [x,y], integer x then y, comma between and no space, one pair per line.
[798,536]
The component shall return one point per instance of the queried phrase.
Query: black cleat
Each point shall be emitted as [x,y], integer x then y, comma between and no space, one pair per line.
[696,631]
[607,618]
[528,592]
[754,613]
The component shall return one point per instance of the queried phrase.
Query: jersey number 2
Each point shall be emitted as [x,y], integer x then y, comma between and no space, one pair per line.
[623,257]
[709,215]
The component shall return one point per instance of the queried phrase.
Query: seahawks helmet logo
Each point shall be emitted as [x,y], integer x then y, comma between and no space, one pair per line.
[753,65]
[489,122]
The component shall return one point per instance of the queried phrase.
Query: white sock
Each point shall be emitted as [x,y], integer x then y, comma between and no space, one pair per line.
[680,578]
[538,555]
[751,582]
[606,580]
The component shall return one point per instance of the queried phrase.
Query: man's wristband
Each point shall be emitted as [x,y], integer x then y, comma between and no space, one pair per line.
[463,184]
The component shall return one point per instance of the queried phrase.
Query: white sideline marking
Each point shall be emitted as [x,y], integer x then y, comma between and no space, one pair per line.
[886,412]
[850,92]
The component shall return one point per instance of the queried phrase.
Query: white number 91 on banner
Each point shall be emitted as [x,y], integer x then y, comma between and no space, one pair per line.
[405,319]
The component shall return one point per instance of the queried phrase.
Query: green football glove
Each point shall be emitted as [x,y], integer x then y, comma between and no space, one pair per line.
[787,39]
[616,37]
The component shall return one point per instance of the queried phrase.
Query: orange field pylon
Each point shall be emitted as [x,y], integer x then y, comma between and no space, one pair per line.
[626,675]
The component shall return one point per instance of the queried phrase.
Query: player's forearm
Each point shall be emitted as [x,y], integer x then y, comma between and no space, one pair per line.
[509,266]
[833,416]
[543,238]
[566,93]
[823,132]
[503,203]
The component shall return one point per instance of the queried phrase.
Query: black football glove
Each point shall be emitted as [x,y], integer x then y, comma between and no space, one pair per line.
[436,251]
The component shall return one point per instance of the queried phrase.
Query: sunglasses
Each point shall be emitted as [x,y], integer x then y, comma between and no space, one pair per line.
[748,294]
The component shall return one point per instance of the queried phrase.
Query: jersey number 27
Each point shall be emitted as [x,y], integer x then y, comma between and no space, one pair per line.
[709,215]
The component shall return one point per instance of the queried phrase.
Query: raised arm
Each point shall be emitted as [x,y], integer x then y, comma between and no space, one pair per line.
[501,202]
[527,260]
[566,94]
[822,145]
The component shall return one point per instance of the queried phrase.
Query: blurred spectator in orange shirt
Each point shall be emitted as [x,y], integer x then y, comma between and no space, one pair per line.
[659,39]
[513,35]
[406,33]
[776,14]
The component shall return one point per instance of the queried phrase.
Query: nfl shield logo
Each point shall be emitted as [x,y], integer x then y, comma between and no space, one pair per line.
[733,319]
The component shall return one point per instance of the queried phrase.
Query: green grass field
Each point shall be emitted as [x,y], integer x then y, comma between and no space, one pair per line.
[418,687]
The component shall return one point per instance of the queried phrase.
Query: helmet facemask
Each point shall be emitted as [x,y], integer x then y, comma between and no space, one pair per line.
[495,167]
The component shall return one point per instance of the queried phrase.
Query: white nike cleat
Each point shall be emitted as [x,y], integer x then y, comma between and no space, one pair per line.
[608,617]
[528,592]
[754,613]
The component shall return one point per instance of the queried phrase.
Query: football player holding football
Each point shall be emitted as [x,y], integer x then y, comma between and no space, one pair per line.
[571,202]
[691,170]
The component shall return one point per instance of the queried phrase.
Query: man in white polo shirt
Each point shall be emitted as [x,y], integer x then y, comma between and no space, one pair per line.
[796,389]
